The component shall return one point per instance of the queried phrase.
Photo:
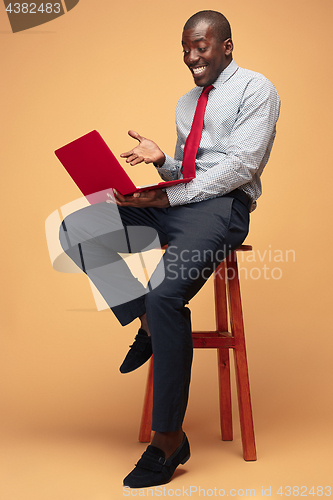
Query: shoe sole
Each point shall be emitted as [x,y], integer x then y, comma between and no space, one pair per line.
[185,459]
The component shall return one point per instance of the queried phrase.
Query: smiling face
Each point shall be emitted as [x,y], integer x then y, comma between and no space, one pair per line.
[205,56]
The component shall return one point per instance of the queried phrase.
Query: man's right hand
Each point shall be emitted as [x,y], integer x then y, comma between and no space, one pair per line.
[147,151]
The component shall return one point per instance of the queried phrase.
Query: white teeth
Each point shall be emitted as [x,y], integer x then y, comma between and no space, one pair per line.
[196,71]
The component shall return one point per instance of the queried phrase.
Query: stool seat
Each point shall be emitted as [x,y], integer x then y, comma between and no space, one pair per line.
[228,308]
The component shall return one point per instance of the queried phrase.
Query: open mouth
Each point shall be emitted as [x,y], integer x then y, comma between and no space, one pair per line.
[199,70]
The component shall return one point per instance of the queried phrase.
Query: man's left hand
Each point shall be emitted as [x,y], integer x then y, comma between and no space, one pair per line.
[154,198]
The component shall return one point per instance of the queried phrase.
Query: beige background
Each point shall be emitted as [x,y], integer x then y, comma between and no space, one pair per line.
[69,419]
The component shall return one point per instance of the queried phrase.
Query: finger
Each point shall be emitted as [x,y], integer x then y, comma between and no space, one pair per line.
[111,198]
[135,135]
[118,196]
[138,159]
[128,153]
[131,157]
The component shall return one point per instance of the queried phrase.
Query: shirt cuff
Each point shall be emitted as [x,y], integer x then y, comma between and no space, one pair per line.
[177,195]
[169,162]
[169,171]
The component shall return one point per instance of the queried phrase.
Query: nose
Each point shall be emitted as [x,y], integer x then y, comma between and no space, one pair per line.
[193,56]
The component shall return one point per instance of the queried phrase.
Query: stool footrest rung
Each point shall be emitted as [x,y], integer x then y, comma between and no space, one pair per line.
[207,339]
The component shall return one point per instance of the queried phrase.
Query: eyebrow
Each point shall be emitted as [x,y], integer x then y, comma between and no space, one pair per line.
[196,40]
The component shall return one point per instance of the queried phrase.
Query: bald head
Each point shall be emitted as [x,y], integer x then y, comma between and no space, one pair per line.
[219,24]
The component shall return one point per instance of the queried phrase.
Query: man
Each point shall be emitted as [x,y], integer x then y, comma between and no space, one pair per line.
[206,218]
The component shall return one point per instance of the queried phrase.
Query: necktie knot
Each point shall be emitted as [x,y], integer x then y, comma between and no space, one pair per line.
[206,90]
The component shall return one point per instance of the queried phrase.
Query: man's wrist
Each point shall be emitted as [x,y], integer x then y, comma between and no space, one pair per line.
[159,163]
[167,202]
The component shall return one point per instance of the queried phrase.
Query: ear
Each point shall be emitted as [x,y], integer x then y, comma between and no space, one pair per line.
[228,46]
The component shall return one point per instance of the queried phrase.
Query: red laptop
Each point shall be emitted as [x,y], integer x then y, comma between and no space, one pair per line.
[95,169]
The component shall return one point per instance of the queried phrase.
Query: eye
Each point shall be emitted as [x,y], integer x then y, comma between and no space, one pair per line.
[202,49]
[186,51]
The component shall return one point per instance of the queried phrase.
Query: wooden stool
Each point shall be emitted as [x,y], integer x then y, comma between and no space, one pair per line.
[225,282]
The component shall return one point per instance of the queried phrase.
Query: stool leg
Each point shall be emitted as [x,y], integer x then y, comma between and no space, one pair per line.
[221,316]
[225,394]
[147,412]
[242,375]
[244,405]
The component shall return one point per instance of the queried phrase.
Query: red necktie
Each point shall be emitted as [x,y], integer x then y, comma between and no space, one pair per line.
[194,137]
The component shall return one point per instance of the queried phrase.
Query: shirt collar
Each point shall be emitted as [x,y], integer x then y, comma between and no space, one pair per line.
[227,73]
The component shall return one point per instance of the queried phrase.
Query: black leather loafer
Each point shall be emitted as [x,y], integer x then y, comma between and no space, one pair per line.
[153,469]
[140,351]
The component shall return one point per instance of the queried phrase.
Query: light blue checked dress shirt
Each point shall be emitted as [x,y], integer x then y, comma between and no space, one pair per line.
[237,137]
